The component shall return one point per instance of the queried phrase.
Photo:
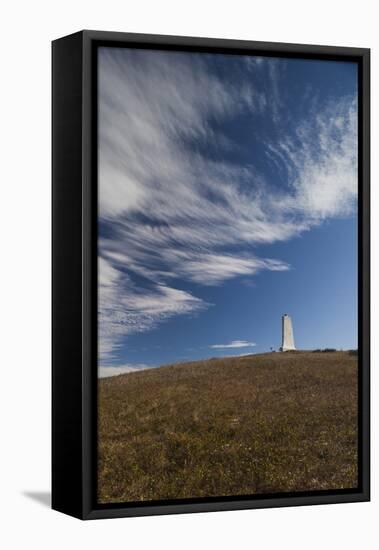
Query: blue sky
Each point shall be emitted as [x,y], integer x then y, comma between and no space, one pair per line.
[227,197]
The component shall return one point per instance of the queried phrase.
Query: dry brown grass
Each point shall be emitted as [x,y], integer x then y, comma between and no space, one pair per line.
[265,423]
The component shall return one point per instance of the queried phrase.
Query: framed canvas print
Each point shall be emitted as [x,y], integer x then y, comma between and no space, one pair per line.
[210,274]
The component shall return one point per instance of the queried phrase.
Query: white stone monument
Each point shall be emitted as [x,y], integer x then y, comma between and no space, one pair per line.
[288,342]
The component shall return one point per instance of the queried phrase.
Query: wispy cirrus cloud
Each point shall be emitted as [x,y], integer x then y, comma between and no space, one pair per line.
[321,160]
[173,210]
[125,308]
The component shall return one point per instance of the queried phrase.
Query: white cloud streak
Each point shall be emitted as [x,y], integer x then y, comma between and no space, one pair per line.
[107,371]
[234,344]
[125,308]
[179,216]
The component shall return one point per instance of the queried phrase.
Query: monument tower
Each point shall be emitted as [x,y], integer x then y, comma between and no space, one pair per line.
[288,342]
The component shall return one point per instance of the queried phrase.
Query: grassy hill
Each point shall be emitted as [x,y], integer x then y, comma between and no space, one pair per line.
[255,424]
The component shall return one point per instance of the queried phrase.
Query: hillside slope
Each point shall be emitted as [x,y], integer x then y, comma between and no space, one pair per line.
[255,424]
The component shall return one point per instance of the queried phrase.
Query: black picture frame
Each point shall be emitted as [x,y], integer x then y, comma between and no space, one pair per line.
[74,294]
